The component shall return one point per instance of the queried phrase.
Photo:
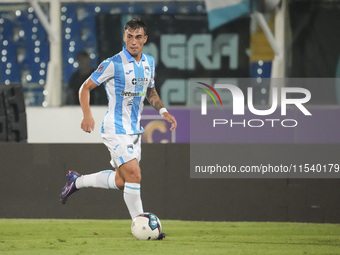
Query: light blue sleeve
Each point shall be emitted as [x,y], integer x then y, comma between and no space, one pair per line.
[104,71]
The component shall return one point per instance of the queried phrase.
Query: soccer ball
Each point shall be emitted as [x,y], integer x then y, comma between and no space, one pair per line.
[146,226]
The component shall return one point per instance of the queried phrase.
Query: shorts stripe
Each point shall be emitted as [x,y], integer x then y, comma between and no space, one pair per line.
[121,160]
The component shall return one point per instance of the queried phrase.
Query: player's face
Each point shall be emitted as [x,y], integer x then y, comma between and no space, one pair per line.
[134,40]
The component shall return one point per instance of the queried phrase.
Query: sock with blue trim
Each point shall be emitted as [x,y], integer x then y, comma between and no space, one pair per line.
[104,179]
[133,199]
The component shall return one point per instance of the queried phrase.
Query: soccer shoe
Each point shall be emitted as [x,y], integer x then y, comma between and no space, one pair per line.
[69,187]
[161,236]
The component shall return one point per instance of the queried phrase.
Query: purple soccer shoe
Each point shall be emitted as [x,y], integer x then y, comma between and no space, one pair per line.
[70,186]
[161,236]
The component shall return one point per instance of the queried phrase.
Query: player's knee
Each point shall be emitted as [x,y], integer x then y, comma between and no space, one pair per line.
[134,177]
[138,178]
[131,172]
[120,184]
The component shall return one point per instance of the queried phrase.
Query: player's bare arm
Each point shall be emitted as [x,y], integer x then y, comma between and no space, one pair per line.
[154,99]
[87,123]
[156,102]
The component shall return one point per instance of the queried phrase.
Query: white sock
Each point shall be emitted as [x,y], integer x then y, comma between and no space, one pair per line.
[133,199]
[104,179]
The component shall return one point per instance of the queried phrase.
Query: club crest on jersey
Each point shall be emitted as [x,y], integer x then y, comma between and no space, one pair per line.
[130,148]
[147,70]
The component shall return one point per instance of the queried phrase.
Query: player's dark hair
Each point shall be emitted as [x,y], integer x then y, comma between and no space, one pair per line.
[136,23]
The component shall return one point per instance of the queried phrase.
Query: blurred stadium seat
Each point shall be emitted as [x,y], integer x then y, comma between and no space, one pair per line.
[25,46]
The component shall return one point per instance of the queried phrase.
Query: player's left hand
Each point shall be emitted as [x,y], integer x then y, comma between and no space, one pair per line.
[171,119]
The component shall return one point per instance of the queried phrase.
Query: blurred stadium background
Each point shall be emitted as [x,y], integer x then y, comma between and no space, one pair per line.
[264,39]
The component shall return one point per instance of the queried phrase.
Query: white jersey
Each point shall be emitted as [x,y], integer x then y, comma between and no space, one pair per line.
[126,82]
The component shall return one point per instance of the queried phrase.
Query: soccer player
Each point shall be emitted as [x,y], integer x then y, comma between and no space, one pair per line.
[128,78]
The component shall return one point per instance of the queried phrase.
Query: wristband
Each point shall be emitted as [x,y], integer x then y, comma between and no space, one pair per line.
[162,110]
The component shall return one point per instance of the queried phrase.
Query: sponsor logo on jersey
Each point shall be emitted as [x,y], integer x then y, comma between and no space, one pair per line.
[130,71]
[100,69]
[133,102]
[132,94]
[140,81]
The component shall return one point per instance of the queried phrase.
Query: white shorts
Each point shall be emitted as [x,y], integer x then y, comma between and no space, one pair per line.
[123,148]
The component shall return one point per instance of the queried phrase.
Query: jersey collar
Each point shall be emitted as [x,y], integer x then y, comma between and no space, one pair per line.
[130,58]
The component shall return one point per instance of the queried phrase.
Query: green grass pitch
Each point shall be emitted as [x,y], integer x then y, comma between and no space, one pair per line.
[44,236]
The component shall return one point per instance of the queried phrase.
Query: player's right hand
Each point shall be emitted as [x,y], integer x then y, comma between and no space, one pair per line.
[87,124]
[171,119]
